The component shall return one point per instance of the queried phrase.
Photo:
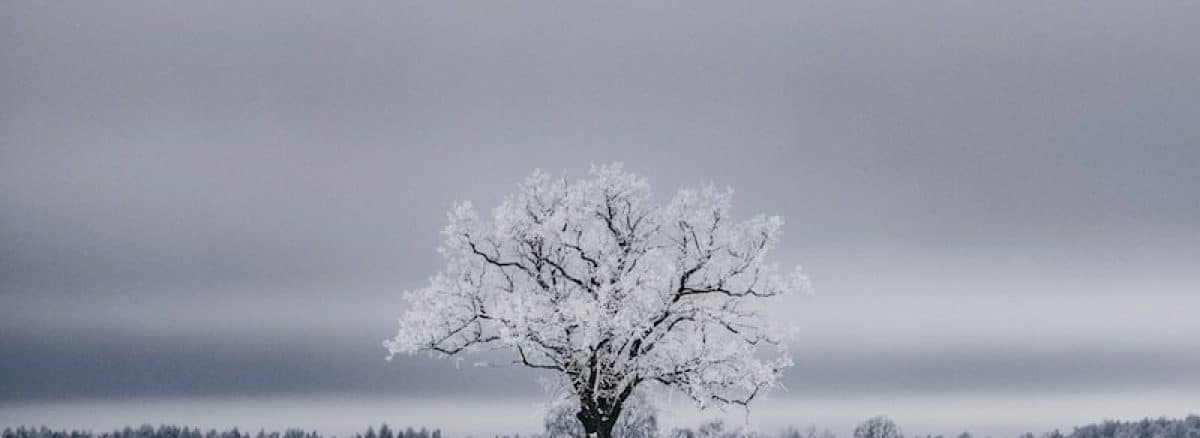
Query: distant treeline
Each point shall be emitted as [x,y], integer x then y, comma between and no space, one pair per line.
[168,431]
[1188,427]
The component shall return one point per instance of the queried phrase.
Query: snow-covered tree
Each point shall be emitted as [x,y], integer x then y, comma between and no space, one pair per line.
[611,291]
[877,427]
[715,428]
[811,432]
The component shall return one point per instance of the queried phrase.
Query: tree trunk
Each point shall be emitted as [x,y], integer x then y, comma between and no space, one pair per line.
[598,423]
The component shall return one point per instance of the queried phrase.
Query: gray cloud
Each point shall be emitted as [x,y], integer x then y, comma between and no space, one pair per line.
[112,364]
[67,364]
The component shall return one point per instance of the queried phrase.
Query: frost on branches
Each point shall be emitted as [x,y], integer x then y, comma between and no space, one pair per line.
[611,291]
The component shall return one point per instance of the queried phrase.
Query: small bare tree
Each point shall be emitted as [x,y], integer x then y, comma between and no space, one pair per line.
[610,291]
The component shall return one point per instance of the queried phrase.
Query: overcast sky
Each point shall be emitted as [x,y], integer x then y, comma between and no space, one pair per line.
[995,201]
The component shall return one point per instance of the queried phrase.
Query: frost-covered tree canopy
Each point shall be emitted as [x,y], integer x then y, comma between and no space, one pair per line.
[594,280]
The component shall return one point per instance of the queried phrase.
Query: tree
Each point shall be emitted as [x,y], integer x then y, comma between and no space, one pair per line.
[715,428]
[877,427]
[811,432]
[594,281]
